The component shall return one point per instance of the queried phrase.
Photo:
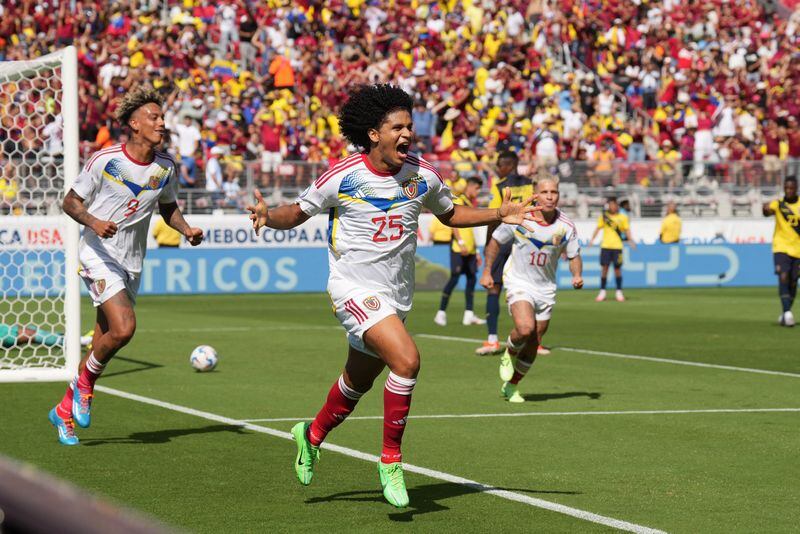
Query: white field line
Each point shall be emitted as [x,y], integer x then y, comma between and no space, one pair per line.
[632,357]
[477,486]
[266,327]
[530,414]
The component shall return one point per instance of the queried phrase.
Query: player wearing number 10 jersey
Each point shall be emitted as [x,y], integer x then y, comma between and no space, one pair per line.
[373,200]
[113,198]
[530,280]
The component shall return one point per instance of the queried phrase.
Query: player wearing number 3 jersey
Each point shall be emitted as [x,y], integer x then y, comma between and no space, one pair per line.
[373,200]
[113,198]
[530,280]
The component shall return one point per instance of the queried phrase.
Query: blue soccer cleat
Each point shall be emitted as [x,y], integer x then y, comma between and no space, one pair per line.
[81,406]
[65,427]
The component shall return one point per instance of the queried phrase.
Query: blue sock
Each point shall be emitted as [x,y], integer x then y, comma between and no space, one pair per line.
[603,283]
[492,313]
[619,282]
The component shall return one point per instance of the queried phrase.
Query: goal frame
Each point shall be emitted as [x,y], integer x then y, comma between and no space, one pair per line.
[67,58]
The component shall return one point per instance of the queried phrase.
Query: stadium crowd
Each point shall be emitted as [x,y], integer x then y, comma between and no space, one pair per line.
[653,84]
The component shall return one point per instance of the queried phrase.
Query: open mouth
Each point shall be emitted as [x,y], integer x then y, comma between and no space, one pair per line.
[403,148]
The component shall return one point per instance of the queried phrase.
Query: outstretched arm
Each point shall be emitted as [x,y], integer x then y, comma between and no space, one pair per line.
[172,216]
[281,218]
[596,231]
[509,212]
[767,210]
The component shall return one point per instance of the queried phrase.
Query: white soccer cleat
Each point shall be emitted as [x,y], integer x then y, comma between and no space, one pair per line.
[787,319]
[619,296]
[601,296]
[544,351]
[470,318]
[441,318]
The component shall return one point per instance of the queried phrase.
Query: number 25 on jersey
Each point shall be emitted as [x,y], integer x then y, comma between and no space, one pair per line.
[389,228]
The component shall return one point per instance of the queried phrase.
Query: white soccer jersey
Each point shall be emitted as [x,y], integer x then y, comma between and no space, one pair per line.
[534,257]
[373,220]
[120,189]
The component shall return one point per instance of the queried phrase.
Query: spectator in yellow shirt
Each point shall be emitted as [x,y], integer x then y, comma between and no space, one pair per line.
[464,159]
[166,236]
[614,225]
[671,225]
[463,260]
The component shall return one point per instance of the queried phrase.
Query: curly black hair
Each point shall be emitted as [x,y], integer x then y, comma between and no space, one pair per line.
[135,99]
[368,107]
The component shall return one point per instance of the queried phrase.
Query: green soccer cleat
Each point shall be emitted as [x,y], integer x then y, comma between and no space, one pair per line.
[506,367]
[307,454]
[393,483]
[511,393]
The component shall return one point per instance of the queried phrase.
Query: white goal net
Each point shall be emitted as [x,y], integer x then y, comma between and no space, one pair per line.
[39,294]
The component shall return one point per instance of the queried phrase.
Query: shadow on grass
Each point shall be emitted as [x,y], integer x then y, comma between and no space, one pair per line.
[541,397]
[141,366]
[162,436]
[423,499]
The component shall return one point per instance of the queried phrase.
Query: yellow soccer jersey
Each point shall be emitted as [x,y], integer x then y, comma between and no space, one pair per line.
[466,235]
[612,224]
[786,238]
[521,188]
[671,228]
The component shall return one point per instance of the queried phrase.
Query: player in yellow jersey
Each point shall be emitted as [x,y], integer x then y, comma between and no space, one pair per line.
[786,246]
[521,187]
[463,260]
[613,224]
[670,226]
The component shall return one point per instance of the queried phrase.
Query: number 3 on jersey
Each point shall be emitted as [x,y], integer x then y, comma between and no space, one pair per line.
[390,223]
[133,205]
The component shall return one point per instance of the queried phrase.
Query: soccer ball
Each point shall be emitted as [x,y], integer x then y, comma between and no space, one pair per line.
[204,358]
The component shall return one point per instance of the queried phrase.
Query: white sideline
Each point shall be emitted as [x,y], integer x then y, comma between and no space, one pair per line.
[504,494]
[529,414]
[632,357]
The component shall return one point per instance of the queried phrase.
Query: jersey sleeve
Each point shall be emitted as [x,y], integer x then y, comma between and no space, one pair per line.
[573,247]
[624,223]
[503,234]
[319,197]
[169,193]
[496,199]
[438,200]
[774,206]
[88,181]
[600,222]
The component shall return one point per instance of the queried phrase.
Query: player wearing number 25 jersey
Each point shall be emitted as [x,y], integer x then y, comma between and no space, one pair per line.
[373,200]
[113,198]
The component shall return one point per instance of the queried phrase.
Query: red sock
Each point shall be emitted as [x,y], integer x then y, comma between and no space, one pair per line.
[91,372]
[64,408]
[396,403]
[340,403]
[520,370]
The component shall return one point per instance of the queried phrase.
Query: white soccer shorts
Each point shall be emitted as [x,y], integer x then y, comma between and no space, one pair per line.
[542,301]
[359,311]
[105,279]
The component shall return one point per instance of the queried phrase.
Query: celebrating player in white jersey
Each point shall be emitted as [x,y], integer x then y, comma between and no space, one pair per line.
[373,200]
[530,280]
[114,197]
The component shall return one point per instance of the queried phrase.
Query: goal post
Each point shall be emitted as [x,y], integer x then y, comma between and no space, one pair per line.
[39,162]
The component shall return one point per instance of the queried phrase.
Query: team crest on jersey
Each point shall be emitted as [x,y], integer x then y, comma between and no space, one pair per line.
[154,182]
[372,303]
[99,286]
[410,187]
[557,239]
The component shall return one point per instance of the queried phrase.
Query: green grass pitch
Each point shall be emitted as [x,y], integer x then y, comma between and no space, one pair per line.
[704,471]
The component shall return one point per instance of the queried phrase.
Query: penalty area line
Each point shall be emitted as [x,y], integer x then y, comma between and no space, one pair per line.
[632,357]
[532,414]
[431,473]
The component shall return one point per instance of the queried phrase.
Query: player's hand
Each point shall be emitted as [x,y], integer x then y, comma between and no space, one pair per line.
[194,236]
[486,279]
[577,282]
[478,260]
[517,212]
[464,251]
[104,229]
[632,245]
[258,213]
